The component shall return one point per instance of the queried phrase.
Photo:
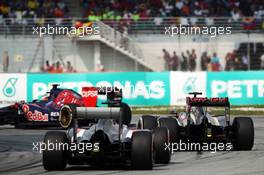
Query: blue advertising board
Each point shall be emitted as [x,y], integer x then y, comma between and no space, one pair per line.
[241,87]
[142,88]
[139,88]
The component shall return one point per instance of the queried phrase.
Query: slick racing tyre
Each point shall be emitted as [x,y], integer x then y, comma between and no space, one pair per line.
[54,159]
[172,125]
[126,113]
[161,139]
[243,132]
[147,122]
[142,150]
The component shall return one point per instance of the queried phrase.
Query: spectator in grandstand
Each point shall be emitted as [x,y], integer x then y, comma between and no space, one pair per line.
[179,5]
[262,61]
[99,68]
[237,64]
[58,13]
[185,11]
[58,68]
[5,61]
[228,62]
[158,20]
[174,62]
[166,57]
[205,60]
[192,60]
[184,62]
[198,11]
[236,15]
[168,7]
[32,4]
[244,62]
[47,67]
[215,62]
[52,68]
[209,65]
[259,12]
[32,9]
[4,9]
[69,67]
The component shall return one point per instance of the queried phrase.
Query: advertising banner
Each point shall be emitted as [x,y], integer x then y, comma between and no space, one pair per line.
[139,88]
[182,83]
[241,87]
[13,87]
[142,88]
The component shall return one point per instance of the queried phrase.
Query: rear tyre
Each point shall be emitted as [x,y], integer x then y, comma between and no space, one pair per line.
[172,125]
[161,139]
[147,122]
[243,132]
[126,113]
[55,159]
[142,150]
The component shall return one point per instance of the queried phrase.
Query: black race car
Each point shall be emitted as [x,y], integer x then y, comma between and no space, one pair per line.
[199,125]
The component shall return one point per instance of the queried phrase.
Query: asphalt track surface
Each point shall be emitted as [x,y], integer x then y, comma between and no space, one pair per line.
[17,157]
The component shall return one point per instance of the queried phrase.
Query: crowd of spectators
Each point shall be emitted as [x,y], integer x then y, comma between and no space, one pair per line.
[33,9]
[136,9]
[184,62]
[57,67]
[248,12]
[187,61]
[234,62]
[210,63]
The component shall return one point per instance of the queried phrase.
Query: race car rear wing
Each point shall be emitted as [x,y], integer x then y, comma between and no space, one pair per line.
[204,101]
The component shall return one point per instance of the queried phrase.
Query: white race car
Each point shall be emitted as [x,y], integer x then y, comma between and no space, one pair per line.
[106,139]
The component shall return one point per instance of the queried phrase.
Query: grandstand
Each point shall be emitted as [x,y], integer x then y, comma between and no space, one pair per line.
[132,35]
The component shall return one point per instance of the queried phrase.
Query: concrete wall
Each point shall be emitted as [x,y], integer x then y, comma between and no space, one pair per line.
[28,54]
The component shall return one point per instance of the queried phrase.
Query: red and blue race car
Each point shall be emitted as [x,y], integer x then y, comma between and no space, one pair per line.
[45,112]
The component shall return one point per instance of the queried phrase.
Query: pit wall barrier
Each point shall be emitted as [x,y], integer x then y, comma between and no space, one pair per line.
[142,88]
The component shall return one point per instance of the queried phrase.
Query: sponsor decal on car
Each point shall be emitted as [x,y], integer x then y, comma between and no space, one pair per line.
[54,114]
[34,116]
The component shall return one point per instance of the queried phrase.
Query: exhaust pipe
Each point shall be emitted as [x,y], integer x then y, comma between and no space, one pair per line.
[98,112]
